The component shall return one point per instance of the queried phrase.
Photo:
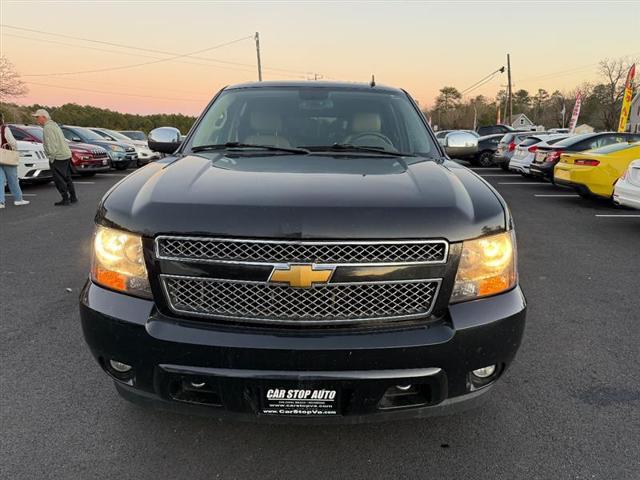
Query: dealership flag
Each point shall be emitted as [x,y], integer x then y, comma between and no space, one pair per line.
[576,112]
[626,100]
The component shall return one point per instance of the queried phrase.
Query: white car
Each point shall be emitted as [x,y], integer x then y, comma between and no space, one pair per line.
[627,189]
[525,151]
[34,165]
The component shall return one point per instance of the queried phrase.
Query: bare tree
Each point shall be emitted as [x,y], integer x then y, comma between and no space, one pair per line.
[611,90]
[10,83]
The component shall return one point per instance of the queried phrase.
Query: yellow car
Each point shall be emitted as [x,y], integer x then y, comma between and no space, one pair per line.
[595,172]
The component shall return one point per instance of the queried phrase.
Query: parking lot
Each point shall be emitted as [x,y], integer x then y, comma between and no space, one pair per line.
[568,408]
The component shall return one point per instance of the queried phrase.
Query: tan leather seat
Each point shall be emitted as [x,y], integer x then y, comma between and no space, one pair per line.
[266,127]
[367,123]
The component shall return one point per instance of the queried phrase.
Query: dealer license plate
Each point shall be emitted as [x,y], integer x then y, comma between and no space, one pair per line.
[300,402]
[105,162]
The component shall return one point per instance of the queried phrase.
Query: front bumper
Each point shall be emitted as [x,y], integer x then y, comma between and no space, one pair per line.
[123,157]
[36,175]
[95,166]
[237,364]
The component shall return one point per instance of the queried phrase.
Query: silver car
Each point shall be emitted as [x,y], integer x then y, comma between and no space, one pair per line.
[525,151]
[507,147]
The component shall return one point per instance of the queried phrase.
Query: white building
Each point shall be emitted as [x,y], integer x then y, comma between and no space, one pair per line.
[522,122]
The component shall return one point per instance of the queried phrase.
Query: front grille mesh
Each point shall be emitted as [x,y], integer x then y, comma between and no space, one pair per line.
[323,304]
[255,251]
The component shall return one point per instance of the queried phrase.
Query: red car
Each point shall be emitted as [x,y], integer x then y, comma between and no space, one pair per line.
[86,160]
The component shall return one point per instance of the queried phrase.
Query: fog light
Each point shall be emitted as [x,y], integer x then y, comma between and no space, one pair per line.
[198,384]
[403,388]
[485,372]
[119,366]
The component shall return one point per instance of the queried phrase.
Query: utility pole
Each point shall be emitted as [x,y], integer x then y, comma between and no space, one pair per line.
[257,39]
[510,98]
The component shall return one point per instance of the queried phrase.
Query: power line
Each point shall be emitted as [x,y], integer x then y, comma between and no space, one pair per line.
[482,81]
[47,40]
[150,50]
[560,73]
[113,93]
[135,65]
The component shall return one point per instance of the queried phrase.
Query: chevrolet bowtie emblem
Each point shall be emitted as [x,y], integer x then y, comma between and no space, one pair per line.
[301,276]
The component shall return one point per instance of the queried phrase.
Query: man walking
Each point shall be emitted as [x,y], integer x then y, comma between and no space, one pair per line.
[59,154]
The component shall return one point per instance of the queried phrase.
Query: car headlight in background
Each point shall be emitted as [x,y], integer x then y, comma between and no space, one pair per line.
[487,267]
[118,262]
[116,148]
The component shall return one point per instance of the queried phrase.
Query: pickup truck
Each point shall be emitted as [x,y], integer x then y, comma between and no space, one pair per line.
[306,253]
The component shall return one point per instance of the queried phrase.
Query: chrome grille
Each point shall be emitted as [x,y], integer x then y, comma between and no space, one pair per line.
[320,305]
[266,251]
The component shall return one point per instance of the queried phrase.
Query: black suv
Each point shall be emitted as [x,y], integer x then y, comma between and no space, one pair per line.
[308,252]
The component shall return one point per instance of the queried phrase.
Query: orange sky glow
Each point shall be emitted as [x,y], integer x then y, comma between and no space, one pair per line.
[419,46]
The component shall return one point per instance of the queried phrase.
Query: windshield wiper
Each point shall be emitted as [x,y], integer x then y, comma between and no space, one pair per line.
[347,147]
[223,146]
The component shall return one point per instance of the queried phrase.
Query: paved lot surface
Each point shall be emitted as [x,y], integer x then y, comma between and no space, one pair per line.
[568,408]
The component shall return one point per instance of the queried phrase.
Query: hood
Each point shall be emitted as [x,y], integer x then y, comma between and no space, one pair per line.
[24,146]
[305,197]
[84,147]
[106,143]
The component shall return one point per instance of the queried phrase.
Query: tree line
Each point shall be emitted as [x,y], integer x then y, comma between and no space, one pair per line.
[601,103]
[88,116]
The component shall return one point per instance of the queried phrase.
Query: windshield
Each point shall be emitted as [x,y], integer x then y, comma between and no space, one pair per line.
[315,118]
[89,134]
[569,141]
[117,136]
[615,147]
[134,135]
[35,131]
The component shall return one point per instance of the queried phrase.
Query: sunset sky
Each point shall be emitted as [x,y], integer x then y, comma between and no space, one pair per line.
[420,46]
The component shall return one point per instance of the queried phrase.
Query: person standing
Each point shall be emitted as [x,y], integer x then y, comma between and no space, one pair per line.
[9,171]
[59,154]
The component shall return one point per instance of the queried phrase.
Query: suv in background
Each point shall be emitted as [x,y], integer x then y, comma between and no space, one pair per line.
[122,154]
[135,135]
[548,156]
[145,155]
[493,129]
[86,160]
[507,146]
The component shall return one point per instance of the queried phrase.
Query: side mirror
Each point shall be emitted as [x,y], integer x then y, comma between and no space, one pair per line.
[164,139]
[460,144]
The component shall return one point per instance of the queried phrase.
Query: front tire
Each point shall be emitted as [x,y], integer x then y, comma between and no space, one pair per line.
[485,159]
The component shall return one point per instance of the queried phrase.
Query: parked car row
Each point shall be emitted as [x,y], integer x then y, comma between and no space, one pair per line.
[603,165]
[93,150]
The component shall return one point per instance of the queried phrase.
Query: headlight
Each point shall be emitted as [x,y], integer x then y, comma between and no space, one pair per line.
[116,148]
[487,266]
[118,262]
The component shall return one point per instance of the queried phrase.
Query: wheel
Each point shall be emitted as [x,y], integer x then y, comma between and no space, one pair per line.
[485,159]
[120,166]
[504,166]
